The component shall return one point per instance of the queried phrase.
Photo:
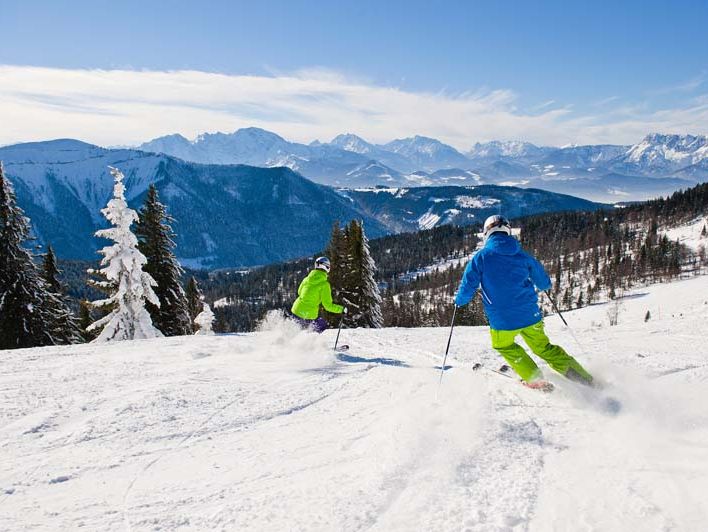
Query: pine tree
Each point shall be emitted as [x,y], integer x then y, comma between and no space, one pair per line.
[194,299]
[612,294]
[128,286]
[26,318]
[85,320]
[205,320]
[64,326]
[361,292]
[371,297]
[581,301]
[155,241]
[50,272]
[337,254]
[347,294]
[471,314]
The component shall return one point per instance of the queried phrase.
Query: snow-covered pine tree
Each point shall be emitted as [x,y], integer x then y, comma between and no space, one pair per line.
[155,241]
[128,286]
[25,316]
[65,328]
[361,291]
[194,299]
[205,320]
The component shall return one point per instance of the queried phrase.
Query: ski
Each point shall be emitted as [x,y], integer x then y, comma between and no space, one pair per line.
[594,395]
[501,371]
[541,385]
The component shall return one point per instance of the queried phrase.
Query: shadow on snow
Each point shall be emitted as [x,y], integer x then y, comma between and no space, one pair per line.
[343,357]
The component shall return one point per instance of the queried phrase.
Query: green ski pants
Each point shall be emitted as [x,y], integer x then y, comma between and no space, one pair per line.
[536,339]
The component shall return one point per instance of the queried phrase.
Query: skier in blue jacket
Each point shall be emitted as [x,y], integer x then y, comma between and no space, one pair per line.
[506,276]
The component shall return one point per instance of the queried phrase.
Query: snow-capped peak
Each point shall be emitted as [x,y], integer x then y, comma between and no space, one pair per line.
[248,134]
[417,144]
[427,153]
[669,149]
[502,148]
[351,142]
[51,151]
[420,146]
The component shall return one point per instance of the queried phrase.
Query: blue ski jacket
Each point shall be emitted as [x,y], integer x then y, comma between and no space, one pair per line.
[506,275]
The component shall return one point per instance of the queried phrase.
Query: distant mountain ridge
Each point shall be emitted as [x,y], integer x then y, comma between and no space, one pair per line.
[418,208]
[226,215]
[658,165]
[230,215]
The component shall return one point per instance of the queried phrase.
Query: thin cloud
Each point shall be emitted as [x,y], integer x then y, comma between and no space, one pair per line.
[111,107]
[688,86]
[606,101]
[544,105]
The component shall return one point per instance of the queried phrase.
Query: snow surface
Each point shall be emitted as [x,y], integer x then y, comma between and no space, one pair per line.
[428,220]
[475,202]
[271,431]
[689,234]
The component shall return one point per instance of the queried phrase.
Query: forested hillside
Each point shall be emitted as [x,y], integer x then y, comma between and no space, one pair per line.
[590,256]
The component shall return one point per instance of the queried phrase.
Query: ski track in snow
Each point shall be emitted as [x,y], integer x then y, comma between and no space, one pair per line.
[272,431]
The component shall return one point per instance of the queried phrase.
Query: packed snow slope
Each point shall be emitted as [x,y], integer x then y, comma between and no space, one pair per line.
[272,431]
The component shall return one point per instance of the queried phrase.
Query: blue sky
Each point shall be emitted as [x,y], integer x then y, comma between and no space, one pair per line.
[593,64]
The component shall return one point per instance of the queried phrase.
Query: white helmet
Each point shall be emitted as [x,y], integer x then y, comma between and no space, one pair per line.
[322,263]
[496,223]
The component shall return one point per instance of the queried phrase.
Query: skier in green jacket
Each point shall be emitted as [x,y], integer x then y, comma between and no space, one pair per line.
[314,291]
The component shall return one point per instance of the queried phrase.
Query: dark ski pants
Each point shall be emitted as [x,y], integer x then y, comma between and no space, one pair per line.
[536,339]
[319,325]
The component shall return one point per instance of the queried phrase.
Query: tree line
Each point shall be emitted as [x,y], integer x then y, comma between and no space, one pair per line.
[244,297]
[590,256]
[139,275]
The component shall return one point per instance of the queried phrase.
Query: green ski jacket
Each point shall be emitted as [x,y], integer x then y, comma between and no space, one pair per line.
[313,291]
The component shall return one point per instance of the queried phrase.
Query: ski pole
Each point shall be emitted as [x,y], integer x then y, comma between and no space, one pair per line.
[555,307]
[338,331]
[447,349]
[572,333]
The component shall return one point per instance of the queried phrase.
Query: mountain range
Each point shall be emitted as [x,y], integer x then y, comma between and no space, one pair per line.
[230,215]
[658,165]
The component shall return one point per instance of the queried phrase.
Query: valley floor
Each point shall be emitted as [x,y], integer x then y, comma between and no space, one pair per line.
[271,431]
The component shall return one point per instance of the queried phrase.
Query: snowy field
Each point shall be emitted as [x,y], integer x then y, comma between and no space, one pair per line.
[689,234]
[270,431]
